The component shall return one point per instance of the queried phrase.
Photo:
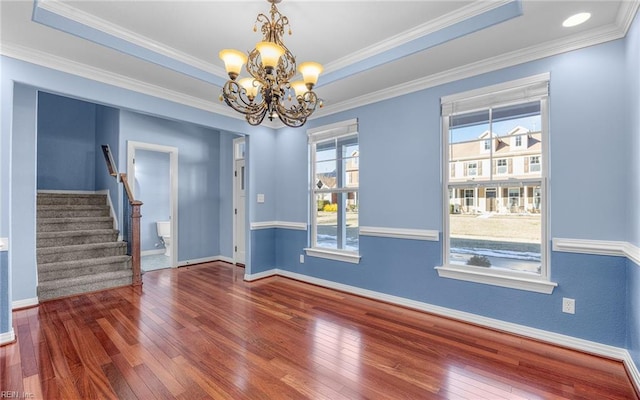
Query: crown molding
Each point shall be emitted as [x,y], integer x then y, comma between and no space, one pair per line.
[460,15]
[481,67]
[96,74]
[67,11]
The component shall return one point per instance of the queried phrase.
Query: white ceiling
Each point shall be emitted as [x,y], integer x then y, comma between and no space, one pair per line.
[371,50]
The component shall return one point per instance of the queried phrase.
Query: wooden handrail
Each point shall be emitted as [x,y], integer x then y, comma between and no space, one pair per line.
[135,231]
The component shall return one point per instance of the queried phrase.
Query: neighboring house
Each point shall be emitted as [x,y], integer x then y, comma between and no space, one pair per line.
[515,155]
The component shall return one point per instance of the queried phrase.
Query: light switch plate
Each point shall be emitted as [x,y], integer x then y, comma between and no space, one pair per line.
[260,198]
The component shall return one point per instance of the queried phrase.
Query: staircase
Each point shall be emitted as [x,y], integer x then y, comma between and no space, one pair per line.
[77,248]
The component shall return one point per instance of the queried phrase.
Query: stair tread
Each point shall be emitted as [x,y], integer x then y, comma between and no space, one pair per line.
[46,235]
[84,262]
[79,247]
[72,206]
[83,279]
[74,219]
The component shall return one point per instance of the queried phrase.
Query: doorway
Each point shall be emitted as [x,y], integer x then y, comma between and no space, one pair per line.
[239,183]
[157,252]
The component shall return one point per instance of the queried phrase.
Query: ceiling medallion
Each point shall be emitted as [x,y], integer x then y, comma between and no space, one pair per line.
[268,90]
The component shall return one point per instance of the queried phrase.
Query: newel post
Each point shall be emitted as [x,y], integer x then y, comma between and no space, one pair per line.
[135,242]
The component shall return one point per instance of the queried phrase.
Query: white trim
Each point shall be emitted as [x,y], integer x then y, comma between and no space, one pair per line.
[132,146]
[490,277]
[205,260]
[519,90]
[4,244]
[400,233]
[335,255]
[25,303]
[509,327]
[332,131]
[7,337]
[300,226]
[598,247]
[261,275]
[65,10]
[632,370]
[460,15]
[151,252]
[112,211]
[61,64]
[516,57]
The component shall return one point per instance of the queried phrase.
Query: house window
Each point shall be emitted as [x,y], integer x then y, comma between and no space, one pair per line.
[508,247]
[534,164]
[487,144]
[335,177]
[501,166]
[518,141]
[472,169]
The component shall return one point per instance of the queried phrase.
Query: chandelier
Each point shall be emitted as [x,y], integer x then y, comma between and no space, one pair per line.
[268,90]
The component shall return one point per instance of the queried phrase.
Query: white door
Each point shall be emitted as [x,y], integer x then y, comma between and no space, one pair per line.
[239,211]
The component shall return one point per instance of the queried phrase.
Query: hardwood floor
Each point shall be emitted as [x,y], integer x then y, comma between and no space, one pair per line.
[201,332]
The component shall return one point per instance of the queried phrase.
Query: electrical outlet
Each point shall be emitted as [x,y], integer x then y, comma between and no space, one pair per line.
[568,305]
[301,258]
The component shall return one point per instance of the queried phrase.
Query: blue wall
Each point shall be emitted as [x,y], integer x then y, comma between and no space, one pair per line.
[400,143]
[108,132]
[198,178]
[400,187]
[633,81]
[66,143]
[633,278]
[22,237]
[152,187]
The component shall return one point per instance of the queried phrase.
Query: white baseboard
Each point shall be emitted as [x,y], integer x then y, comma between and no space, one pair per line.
[151,252]
[632,370]
[262,275]
[24,303]
[205,260]
[7,337]
[571,342]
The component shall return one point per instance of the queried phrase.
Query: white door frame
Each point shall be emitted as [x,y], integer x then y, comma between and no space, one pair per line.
[132,146]
[236,142]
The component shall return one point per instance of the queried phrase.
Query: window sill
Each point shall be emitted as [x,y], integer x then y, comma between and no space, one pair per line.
[335,255]
[493,278]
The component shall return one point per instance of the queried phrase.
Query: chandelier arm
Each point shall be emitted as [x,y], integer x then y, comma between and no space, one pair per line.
[272,83]
[236,98]
[297,114]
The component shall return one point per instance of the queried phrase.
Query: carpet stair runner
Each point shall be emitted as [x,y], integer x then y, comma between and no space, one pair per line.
[77,248]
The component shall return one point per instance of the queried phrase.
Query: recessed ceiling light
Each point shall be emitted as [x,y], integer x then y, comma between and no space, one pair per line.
[576,19]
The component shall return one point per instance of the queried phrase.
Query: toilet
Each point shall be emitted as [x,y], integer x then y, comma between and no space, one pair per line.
[164,231]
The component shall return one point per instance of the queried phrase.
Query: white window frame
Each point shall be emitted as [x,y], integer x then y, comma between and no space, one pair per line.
[533,88]
[505,167]
[472,168]
[531,164]
[316,136]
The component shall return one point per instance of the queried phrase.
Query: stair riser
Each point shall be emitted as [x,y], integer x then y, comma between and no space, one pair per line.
[72,200]
[76,240]
[44,295]
[73,213]
[73,226]
[84,254]
[45,275]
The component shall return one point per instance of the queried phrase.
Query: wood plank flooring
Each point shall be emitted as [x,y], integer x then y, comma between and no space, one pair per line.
[201,332]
